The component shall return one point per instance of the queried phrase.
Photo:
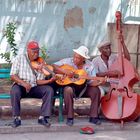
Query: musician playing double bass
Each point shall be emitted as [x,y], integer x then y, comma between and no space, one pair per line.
[103,62]
[80,61]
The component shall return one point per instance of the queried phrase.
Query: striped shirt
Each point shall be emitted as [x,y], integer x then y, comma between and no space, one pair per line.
[22,69]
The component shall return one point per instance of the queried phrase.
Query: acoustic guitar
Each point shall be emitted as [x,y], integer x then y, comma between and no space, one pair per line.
[65,80]
[80,76]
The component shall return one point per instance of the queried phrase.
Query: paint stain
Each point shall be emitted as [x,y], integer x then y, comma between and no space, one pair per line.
[73,18]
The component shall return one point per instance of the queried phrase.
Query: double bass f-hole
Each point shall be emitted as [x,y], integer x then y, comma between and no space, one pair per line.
[127,92]
[113,89]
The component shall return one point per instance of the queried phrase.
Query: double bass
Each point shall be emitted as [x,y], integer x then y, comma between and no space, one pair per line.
[121,103]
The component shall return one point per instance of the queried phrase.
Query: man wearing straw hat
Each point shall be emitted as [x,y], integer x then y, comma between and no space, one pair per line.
[80,61]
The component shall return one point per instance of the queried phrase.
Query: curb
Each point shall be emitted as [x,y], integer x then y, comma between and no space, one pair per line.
[31,126]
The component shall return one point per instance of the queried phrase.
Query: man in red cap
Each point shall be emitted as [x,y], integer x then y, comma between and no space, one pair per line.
[29,82]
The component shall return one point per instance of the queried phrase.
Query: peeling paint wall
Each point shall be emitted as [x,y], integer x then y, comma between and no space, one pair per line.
[60,25]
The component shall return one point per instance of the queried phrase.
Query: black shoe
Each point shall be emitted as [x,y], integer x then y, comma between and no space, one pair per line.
[16,123]
[70,122]
[95,121]
[44,122]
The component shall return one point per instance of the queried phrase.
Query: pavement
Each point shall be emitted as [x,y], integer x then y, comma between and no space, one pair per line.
[30,109]
[30,112]
[98,135]
[31,126]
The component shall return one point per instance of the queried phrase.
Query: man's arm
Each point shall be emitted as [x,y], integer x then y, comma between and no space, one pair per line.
[59,70]
[108,73]
[114,73]
[16,79]
[44,82]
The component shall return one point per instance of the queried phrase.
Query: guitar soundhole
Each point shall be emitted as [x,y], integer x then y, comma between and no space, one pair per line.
[76,76]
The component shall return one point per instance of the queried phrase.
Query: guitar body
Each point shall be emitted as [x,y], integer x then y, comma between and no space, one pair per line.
[65,80]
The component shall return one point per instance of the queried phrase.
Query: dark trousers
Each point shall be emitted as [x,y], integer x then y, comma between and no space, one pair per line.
[92,92]
[71,91]
[43,92]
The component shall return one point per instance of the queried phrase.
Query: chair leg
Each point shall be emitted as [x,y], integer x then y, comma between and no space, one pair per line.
[61,118]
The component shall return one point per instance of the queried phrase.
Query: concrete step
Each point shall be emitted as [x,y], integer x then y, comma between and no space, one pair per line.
[30,107]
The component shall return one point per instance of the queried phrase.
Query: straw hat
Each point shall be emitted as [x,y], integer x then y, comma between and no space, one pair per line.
[83,51]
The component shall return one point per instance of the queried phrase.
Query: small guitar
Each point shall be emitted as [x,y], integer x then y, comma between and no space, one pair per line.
[41,66]
[46,69]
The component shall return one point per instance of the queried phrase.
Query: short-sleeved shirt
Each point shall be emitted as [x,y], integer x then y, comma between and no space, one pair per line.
[23,70]
[100,64]
[88,66]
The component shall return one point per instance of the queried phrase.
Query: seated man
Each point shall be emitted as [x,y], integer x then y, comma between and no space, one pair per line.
[103,62]
[79,61]
[28,82]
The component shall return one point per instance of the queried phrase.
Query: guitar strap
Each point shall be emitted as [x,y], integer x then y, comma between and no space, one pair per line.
[82,92]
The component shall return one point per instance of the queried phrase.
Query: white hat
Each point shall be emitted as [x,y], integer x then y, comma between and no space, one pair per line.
[105,43]
[83,51]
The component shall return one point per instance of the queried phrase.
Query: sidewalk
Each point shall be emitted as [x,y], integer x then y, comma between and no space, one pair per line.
[30,109]
[31,126]
[30,112]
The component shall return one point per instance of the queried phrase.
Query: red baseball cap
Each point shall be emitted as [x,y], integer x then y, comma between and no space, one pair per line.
[87,130]
[32,45]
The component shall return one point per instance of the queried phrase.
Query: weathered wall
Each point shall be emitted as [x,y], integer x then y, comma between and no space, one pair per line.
[62,25]
[131,33]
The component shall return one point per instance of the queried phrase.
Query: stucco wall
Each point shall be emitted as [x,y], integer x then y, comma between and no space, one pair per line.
[61,25]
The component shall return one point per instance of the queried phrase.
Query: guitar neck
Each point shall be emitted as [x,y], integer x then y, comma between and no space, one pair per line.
[110,80]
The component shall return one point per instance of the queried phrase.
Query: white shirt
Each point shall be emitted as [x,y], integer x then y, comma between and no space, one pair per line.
[100,65]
